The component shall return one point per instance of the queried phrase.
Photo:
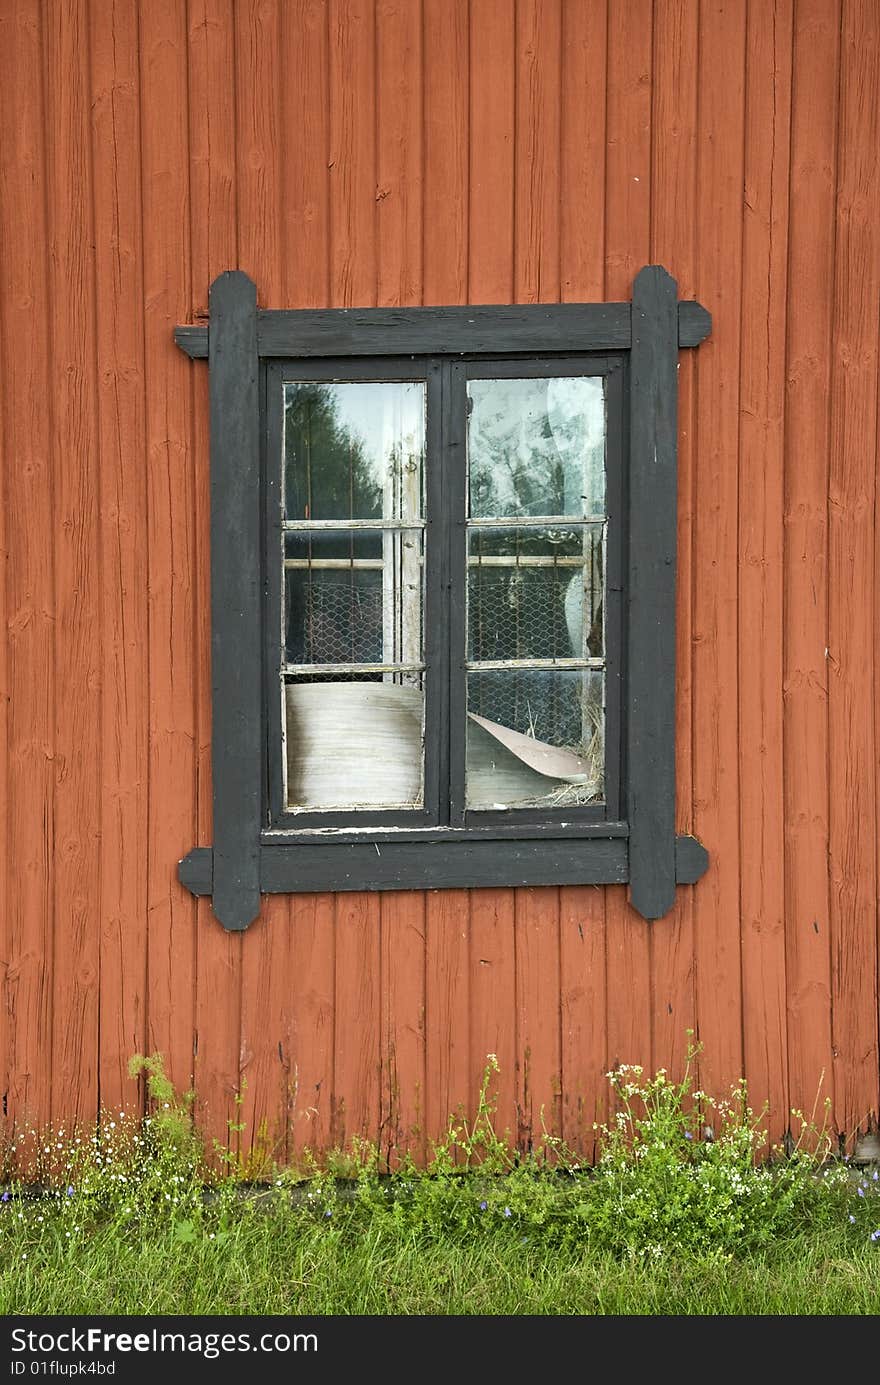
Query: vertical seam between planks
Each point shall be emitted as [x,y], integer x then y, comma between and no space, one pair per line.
[786,358]
[142,1091]
[99,545]
[696,433]
[193,904]
[48,153]
[829,443]
[737,520]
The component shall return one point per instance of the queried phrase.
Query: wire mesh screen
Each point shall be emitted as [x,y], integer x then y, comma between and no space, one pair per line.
[334,618]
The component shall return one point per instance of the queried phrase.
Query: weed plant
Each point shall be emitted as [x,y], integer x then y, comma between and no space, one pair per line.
[684,1191]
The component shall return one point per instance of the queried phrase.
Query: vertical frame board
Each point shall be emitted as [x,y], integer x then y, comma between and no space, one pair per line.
[171,944]
[816,55]
[627,248]
[449,1077]
[673,236]
[76,866]
[851,574]
[308,976]
[27,406]
[123,500]
[398,200]
[213,247]
[262,155]
[650,744]
[236,647]
[538,41]
[762,392]
[720,129]
[353,280]
[582,997]
[491,70]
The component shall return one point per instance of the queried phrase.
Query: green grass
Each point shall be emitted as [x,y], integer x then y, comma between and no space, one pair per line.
[120,1221]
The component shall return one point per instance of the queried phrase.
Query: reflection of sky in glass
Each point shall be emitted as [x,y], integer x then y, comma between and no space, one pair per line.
[537,446]
[384,416]
[353,450]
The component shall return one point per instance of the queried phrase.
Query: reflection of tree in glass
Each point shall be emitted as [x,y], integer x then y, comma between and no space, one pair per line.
[328,472]
[534,447]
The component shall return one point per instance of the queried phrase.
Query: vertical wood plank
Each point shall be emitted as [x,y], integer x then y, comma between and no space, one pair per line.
[627,248]
[170,506]
[537,150]
[213,250]
[583,1006]
[491,279]
[816,54]
[446,193]
[398,198]
[353,280]
[583,149]
[402,1038]
[583,999]
[761,485]
[75,528]
[27,406]
[851,573]
[305,212]
[305,106]
[311,1057]
[538,1035]
[492,991]
[673,224]
[356,1100]
[261,165]
[537,50]
[399,101]
[449,1074]
[113,40]
[492,107]
[716,781]
[352,152]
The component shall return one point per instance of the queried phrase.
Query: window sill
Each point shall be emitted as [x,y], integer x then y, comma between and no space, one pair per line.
[400,860]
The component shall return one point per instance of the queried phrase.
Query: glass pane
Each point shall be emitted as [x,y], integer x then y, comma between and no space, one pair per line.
[354,450]
[535,737]
[353,597]
[537,447]
[354,743]
[535,593]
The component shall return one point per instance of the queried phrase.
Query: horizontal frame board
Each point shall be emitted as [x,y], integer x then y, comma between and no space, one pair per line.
[444,331]
[302,868]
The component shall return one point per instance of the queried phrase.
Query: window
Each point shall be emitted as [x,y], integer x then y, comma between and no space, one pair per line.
[443,587]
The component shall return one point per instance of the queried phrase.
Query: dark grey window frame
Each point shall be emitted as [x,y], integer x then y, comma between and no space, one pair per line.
[256,852]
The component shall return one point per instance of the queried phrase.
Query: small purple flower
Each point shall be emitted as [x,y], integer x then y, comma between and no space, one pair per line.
[875,1235]
[483,1206]
[70,1190]
[5,1198]
[328,1213]
[852,1218]
[875,1175]
[860,1190]
[507,1212]
[688,1135]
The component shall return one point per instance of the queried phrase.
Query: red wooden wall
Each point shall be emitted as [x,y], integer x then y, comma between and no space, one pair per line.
[436,151]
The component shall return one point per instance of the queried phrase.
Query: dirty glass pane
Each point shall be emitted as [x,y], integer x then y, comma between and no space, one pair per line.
[535,737]
[536,447]
[353,450]
[535,593]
